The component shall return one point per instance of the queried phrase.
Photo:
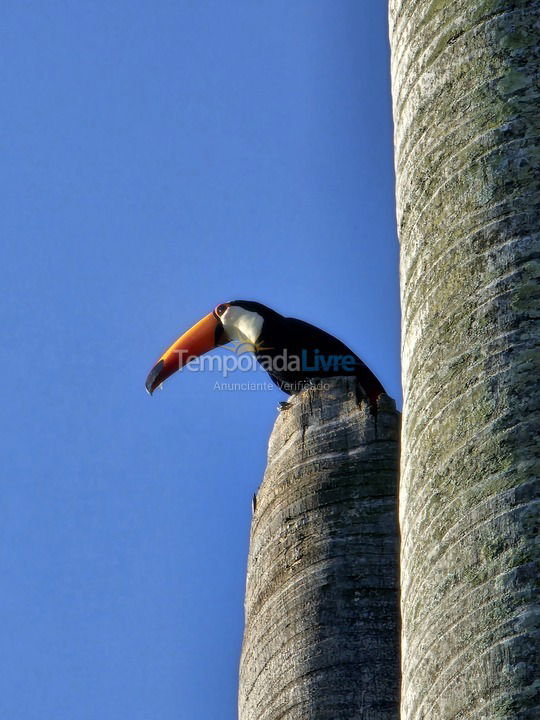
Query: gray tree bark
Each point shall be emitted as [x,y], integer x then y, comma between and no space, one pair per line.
[466,94]
[321,638]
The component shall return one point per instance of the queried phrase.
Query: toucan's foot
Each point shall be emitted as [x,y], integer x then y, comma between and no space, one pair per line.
[284,406]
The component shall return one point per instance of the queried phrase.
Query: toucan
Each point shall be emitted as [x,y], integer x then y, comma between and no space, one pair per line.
[293,352]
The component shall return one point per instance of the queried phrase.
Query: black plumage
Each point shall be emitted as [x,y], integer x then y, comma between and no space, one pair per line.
[319,354]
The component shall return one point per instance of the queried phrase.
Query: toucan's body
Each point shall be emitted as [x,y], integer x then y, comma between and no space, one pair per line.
[321,355]
[293,352]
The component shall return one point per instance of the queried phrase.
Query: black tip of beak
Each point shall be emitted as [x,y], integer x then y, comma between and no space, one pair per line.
[152,381]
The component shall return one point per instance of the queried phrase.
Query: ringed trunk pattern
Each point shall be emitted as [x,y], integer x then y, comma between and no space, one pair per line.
[466,95]
[322,612]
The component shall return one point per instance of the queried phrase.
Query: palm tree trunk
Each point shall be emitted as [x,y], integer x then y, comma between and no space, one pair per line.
[321,639]
[466,93]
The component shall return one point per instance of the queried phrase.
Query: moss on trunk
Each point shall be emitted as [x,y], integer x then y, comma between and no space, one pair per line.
[466,93]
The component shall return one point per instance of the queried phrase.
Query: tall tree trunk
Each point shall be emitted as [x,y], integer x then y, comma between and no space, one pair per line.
[466,92]
[322,613]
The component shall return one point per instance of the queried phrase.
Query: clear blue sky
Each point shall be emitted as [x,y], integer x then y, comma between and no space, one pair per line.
[158,158]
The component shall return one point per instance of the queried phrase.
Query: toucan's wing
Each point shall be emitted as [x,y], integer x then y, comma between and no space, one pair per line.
[304,336]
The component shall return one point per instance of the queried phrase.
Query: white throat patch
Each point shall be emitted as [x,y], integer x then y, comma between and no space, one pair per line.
[242,325]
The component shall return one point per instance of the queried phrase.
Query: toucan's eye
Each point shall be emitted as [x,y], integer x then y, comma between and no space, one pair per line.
[221,309]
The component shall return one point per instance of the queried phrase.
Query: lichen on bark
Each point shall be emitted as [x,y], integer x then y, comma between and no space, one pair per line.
[466,92]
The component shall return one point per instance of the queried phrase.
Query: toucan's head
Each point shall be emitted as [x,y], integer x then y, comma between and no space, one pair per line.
[238,320]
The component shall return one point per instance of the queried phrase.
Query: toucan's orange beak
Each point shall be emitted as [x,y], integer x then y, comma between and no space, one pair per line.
[204,336]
